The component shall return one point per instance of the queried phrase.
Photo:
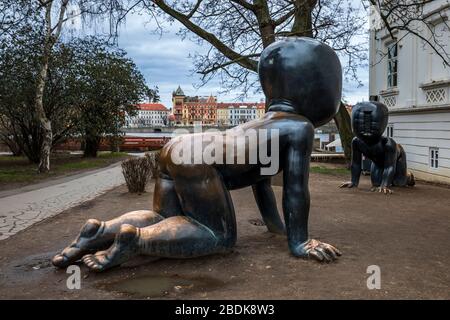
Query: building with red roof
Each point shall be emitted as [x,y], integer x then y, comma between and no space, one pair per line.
[148,115]
[206,110]
[188,110]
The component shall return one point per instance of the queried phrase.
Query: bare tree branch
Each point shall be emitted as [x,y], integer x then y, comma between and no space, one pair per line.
[194,9]
[400,15]
[244,4]
[211,38]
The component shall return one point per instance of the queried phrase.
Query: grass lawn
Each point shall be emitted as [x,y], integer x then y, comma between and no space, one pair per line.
[18,171]
[327,170]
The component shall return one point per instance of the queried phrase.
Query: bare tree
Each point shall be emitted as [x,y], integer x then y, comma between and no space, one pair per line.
[238,30]
[14,14]
[402,18]
[49,16]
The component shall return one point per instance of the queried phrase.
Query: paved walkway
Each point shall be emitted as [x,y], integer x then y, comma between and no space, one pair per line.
[19,211]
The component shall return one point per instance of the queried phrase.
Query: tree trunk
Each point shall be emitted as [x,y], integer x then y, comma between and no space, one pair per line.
[303,18]
[265,23]
[91,146]
[343,123]
[45,123]
[44,164]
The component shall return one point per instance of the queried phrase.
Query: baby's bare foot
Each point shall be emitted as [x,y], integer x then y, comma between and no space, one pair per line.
[124,247]
[86,242]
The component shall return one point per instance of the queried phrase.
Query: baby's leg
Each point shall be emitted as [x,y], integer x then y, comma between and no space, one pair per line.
[165,199]
[402,177]
[208,227]
[98,235]
[174,237]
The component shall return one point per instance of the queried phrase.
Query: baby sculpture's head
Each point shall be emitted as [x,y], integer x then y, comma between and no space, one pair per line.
[302,75]
[369,120]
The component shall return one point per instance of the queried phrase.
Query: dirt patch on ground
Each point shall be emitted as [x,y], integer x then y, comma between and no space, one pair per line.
[405,234]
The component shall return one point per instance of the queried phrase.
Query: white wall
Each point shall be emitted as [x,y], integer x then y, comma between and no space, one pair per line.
[418,64]
[421,113]
[417,133]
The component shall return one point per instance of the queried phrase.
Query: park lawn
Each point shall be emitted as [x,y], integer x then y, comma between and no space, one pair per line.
[331,171]
[18,171]
[330,168]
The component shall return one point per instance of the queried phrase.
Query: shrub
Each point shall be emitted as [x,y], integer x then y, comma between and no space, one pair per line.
[137,171]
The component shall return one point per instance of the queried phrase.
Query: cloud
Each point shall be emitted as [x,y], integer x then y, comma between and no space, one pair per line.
[164,61]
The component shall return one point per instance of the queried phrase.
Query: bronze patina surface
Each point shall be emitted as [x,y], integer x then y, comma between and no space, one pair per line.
[193,213]
[369,121]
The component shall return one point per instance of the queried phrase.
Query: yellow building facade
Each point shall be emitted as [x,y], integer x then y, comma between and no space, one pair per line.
[222,116]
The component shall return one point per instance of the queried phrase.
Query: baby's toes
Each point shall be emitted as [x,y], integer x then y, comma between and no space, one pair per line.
[333,249]
[89,260]
[60,261]
[326,256]
[316,255]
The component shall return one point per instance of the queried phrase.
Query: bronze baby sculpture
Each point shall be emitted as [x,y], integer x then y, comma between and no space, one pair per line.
[193,213]
[369,120]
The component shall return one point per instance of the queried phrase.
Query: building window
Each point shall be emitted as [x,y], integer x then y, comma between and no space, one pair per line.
[392,65]
[390,131]
[434,158]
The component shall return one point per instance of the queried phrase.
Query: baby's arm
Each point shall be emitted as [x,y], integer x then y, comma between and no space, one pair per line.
[296,197]
[295,186]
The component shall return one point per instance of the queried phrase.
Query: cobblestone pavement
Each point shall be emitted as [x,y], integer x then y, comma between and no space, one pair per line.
[20,211]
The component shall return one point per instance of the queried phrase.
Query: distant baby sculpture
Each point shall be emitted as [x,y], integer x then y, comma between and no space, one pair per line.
[193,213]
[369,120]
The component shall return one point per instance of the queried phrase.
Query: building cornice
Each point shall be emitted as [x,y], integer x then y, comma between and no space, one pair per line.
[388,36]
[430,17]
[435,20]
[420,109]
[389,92]
[435,84]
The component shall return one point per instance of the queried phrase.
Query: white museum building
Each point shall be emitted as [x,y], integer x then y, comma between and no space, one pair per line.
[242,114]
[148,115]
[235,113]
[411,79]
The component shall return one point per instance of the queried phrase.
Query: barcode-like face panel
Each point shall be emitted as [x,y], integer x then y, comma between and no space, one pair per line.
[367,121]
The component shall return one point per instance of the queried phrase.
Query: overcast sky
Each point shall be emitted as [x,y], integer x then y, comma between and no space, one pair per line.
[164,61]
